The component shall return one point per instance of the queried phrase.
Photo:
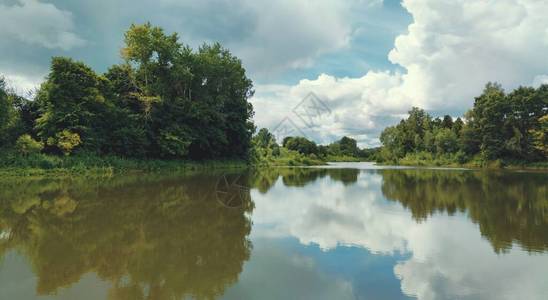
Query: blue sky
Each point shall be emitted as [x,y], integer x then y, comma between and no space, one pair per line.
[369,60]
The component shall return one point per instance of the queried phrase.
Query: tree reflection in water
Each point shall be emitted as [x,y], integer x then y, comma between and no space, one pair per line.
[156,237]
[508,206]
[152,238]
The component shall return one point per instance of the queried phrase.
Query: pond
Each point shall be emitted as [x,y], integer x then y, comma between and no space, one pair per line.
[346,231]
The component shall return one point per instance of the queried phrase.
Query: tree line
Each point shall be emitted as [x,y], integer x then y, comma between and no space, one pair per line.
[266,148]
[165,100]
[500,126]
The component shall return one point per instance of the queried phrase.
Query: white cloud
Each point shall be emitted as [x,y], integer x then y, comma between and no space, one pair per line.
[38,23]
[460,264]
[291,34]
[451,50]
[269,36]
[22,85]
[540,80]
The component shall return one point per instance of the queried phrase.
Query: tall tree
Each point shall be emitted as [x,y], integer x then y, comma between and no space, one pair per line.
[72,99]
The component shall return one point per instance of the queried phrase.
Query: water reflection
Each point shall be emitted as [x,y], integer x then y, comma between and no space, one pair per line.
[150,238]
[458,234]
[322,233]
[508,206]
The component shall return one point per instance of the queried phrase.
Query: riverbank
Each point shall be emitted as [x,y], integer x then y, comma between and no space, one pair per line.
[451,162]
[100,166]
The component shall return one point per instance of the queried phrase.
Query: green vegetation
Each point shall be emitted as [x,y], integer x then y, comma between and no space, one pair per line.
[165,102]
[500,130]
[296,151]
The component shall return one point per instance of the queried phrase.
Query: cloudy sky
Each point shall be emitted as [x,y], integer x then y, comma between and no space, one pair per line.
[368,61]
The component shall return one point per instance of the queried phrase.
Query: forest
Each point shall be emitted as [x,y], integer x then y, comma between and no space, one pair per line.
[165,101]
[501,128]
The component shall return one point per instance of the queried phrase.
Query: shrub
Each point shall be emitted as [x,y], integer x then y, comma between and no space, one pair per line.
[26,145]
[66,141]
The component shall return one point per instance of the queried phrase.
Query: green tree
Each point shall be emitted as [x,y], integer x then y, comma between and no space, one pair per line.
[490,111]
[540,136]
[5,112]
[457,126]
[526,107]
[447,122]
[349,146]
[72,99]
[446,141]
[302,145]
[10,118]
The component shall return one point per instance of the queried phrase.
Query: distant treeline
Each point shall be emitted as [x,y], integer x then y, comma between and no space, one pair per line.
[500,127]
[296,150]
[164,101]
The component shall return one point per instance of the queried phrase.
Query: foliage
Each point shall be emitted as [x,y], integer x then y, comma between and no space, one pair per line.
[11,126]
[72,100]
[540,136]
[500,127]
[165,101]
[26,145]
[301,145]
[65,141]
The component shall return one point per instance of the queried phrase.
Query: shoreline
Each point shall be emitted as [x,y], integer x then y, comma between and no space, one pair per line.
[103,166]
[107,166]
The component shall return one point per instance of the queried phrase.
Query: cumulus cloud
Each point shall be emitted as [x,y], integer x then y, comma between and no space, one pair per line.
[450,51]
[270,36]
[439,264]
[21,84]
[40,24]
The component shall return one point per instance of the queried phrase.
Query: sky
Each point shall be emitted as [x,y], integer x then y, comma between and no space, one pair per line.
[367,62]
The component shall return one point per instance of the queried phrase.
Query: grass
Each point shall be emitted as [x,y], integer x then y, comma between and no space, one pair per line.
[425,159]
[343,158]
[97,166]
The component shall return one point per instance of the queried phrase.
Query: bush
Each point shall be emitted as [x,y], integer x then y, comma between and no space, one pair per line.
[26,145]
[65,141]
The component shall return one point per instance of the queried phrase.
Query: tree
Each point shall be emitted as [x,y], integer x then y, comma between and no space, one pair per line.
[447,122]
[302,145]
[73,100]
[5,112]
[490,111]
[264,138]
[391,141]
[540,136]
[526,107]
[457,126]
[499,126]
[145,44]
[10,119]
[446,141]
[349,146]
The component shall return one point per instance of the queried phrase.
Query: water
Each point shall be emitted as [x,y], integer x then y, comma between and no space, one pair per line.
[348,231]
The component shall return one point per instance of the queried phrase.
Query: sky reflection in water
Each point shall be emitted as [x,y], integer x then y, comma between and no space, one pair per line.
[303,233]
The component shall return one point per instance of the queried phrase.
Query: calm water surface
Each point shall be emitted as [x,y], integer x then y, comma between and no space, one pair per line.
[349,231]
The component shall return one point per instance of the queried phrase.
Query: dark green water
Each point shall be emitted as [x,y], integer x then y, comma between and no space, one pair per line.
[351,231]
